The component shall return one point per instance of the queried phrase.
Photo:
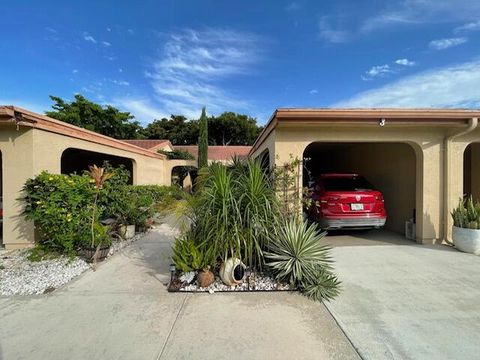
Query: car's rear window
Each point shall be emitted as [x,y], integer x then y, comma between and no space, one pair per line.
[357,183]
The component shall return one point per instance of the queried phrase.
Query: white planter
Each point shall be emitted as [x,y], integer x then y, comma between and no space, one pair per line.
[232,271]
[127,231]
[466,240]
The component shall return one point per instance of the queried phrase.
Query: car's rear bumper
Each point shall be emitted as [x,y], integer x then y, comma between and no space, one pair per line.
[352,223]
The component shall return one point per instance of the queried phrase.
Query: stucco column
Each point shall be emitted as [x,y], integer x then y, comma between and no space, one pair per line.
[429,193]
[454,164]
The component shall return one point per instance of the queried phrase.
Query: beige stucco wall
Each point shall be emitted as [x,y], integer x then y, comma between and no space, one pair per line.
[26,152]
[426,143]
[17,166]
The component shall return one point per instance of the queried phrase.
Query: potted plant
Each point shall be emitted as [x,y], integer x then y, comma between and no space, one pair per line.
[98,249]
[466,226]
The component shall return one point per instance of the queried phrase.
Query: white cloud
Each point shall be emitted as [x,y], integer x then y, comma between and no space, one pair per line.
[293,6]
[141,108]
[192,64]
[329,34]
[121,82]
[106,43]
[471,26]
[74,71]
[109,29]
[404,62]
[407,12]
[377,71]
[442,44]
[89,38]
[452,86]
[313,92]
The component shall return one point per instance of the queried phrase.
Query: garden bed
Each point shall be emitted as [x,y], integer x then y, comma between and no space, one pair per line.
[20,276]
[253,282]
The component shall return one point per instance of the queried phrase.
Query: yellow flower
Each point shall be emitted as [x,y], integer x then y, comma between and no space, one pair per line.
[50,178]
[38,202]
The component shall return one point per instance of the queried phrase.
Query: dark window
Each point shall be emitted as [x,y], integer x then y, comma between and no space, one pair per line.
[356,183]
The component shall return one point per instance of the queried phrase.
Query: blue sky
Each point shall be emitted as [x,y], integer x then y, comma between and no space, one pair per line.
[156,58]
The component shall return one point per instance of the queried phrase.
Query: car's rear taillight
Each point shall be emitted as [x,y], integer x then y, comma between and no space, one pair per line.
[379,198]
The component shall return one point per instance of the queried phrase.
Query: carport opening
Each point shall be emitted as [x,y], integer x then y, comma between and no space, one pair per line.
[77,161]
[389,167]
[184,176]
[471,171]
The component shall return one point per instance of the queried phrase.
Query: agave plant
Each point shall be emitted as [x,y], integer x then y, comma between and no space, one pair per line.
[296,254]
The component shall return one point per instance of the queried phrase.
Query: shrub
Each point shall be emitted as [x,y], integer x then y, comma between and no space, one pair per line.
[296,254]
[177,154]
[233,211]
[61,207]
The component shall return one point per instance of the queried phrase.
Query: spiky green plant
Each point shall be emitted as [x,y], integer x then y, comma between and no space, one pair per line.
[233,211]
[296,254]
[467,214]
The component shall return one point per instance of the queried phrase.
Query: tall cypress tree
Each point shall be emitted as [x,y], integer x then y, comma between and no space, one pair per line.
[203,140]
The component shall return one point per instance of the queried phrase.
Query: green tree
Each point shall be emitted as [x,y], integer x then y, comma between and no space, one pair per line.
[177,129]
[203,140]
[106,120]
[230,128]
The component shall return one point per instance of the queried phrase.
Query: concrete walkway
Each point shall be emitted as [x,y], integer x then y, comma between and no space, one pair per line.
[401,300]
[123,311]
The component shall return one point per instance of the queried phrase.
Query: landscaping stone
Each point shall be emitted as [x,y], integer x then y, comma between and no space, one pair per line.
[253,282]
[20,276]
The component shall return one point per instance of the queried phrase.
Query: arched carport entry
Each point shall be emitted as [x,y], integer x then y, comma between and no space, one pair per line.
[390,166]
[471,171]
[184,176]
[77,160]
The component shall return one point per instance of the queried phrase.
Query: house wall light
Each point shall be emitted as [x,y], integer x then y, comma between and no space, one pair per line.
[382,122]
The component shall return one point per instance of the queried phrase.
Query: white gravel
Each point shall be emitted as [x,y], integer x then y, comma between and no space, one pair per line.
[20,276]
[257,282]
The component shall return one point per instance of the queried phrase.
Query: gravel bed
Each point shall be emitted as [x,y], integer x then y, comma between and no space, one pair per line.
[253,282]
[20,276]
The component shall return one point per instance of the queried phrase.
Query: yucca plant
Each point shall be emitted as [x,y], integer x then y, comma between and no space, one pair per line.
[296,254]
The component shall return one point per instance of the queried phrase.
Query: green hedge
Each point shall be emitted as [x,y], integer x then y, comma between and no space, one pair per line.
[62,206]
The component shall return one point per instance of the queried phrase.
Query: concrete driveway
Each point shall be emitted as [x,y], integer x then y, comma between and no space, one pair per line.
[123,311]
[406,301]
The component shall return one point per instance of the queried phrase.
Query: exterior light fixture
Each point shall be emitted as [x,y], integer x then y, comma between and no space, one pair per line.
[382,122]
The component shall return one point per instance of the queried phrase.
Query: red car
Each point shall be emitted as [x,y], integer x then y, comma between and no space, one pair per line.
[346,201]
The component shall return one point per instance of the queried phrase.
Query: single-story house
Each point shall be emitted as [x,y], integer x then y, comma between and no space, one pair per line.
[423,160]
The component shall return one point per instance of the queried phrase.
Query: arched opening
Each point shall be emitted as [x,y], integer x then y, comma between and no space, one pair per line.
[471,171]
[390,167]
[78,160]
[184,176]
[264,159]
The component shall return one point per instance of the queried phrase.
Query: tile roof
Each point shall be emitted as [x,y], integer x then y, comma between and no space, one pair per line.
[218,153]
[148,144]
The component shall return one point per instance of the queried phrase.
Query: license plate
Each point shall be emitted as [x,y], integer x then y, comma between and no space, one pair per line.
[356,207]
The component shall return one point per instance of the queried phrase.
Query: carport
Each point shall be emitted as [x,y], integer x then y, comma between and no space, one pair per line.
[389,167]
[415,157]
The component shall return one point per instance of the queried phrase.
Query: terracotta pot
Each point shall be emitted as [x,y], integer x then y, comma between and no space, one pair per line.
[205,278]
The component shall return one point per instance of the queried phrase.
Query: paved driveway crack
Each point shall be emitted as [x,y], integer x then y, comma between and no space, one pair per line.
[160,354]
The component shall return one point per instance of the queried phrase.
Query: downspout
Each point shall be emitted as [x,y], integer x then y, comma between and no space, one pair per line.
[472,125]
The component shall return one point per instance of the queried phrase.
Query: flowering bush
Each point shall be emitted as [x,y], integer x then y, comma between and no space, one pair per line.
[61,207]
[67,209]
